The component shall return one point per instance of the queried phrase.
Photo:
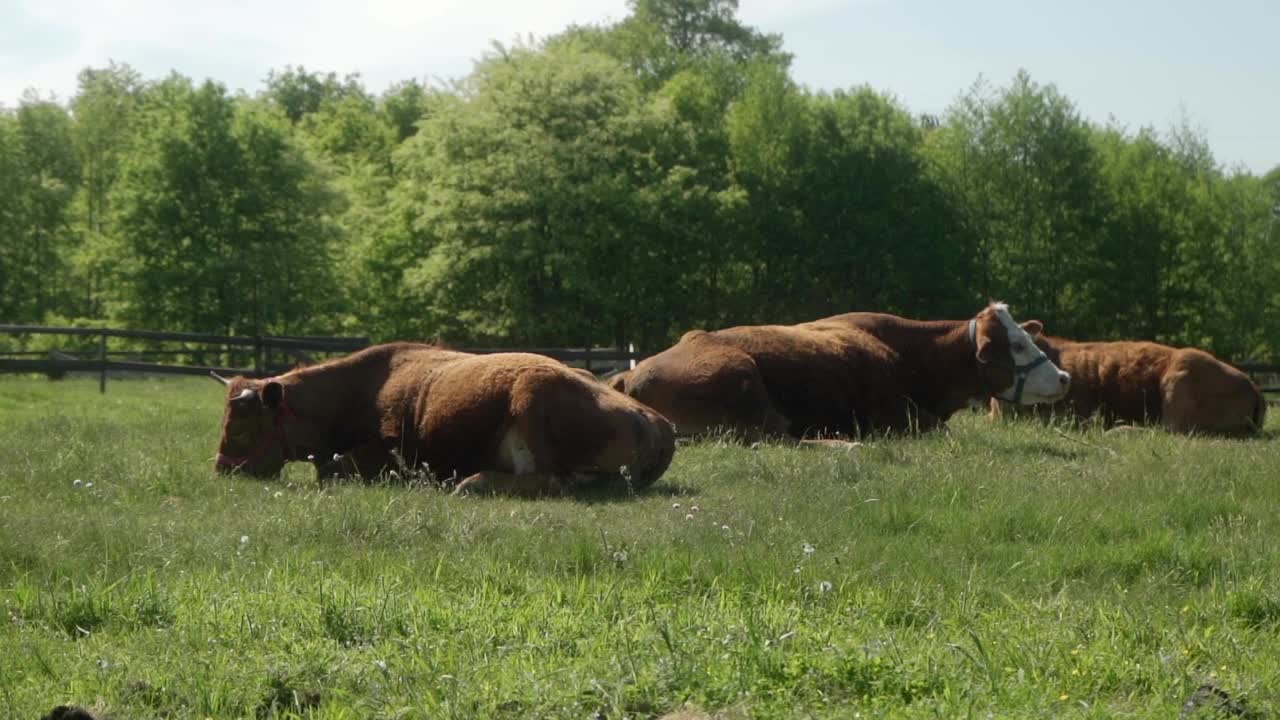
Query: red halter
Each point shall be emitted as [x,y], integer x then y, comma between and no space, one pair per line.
[276,434]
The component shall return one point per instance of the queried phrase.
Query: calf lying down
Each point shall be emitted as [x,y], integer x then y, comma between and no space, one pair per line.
[1185,390]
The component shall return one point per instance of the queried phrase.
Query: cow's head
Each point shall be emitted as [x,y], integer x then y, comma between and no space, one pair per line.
[254,434]
[1012,367]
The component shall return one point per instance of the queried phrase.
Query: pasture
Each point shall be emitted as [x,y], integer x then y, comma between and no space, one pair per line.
[1008,570]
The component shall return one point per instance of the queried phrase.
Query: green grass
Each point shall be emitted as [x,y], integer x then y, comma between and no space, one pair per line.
[991,571]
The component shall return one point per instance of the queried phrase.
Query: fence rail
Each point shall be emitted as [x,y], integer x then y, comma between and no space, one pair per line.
[263,350]
[265,353]
[264,347]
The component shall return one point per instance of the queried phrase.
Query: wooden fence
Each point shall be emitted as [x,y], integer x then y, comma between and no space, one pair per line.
[270,354]
[265,355]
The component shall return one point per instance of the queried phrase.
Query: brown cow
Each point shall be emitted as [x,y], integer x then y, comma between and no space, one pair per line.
[1184,389]
[849,374]
[508,422]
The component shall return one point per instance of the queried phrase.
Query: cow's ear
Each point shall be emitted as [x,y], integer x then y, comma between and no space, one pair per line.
[272,394]
[986,348]
[1032,328]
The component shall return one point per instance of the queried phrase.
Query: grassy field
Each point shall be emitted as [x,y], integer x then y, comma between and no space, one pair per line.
[990,571]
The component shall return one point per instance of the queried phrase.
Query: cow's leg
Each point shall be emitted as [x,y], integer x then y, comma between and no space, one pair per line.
[497,482]
[366,461]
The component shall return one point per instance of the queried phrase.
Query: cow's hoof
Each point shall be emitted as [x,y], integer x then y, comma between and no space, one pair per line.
[477,484]
[1122,429]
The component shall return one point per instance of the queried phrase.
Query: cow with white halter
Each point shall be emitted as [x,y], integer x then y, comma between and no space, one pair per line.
[845,375]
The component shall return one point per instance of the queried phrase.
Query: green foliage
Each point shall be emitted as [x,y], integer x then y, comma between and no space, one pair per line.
[218,223]
[521,192]
[299,93]
[39,175]
[1011,570]
[1020,164]
[619,183]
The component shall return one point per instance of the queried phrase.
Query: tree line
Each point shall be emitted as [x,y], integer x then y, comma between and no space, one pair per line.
[618,183]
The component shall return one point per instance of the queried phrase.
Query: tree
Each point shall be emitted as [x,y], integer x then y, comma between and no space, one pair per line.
[217,223]
[523,193]
[299,93]
[1021,166]
[40,174]
[103,109]
[663,37]
[405,104]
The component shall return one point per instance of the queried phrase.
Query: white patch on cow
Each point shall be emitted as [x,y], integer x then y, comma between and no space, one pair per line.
[1045,383]
[247,392]
[515,454]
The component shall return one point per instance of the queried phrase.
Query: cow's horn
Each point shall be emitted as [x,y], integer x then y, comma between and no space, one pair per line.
[219,378]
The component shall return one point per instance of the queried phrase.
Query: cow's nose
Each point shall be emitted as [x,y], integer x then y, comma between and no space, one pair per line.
[1064,379]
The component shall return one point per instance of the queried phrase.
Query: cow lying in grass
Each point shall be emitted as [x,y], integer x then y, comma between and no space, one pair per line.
[1183,389]
[506,423]
[846,375]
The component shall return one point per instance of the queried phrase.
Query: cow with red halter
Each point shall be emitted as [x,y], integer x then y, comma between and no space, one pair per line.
[510,423]
[850,374]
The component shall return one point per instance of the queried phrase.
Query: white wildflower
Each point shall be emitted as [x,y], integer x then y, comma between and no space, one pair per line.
[244,539]
[688,516]
[824,586]
[807,548]
[77,482]
[620,556]
[675,506]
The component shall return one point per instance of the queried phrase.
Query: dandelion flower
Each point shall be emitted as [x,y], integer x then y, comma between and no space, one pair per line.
[244,539]
[688,516]
[824,586]
[77,482]
[807,548]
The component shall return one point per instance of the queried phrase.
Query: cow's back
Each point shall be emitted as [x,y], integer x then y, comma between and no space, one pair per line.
[1120,381]
[1204,394]
[822,377]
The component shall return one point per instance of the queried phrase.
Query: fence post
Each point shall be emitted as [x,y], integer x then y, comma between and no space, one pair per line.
[257,355]
[587,356]
[102,361]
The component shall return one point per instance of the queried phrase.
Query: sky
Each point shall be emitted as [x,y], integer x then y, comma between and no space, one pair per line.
[1157,63]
